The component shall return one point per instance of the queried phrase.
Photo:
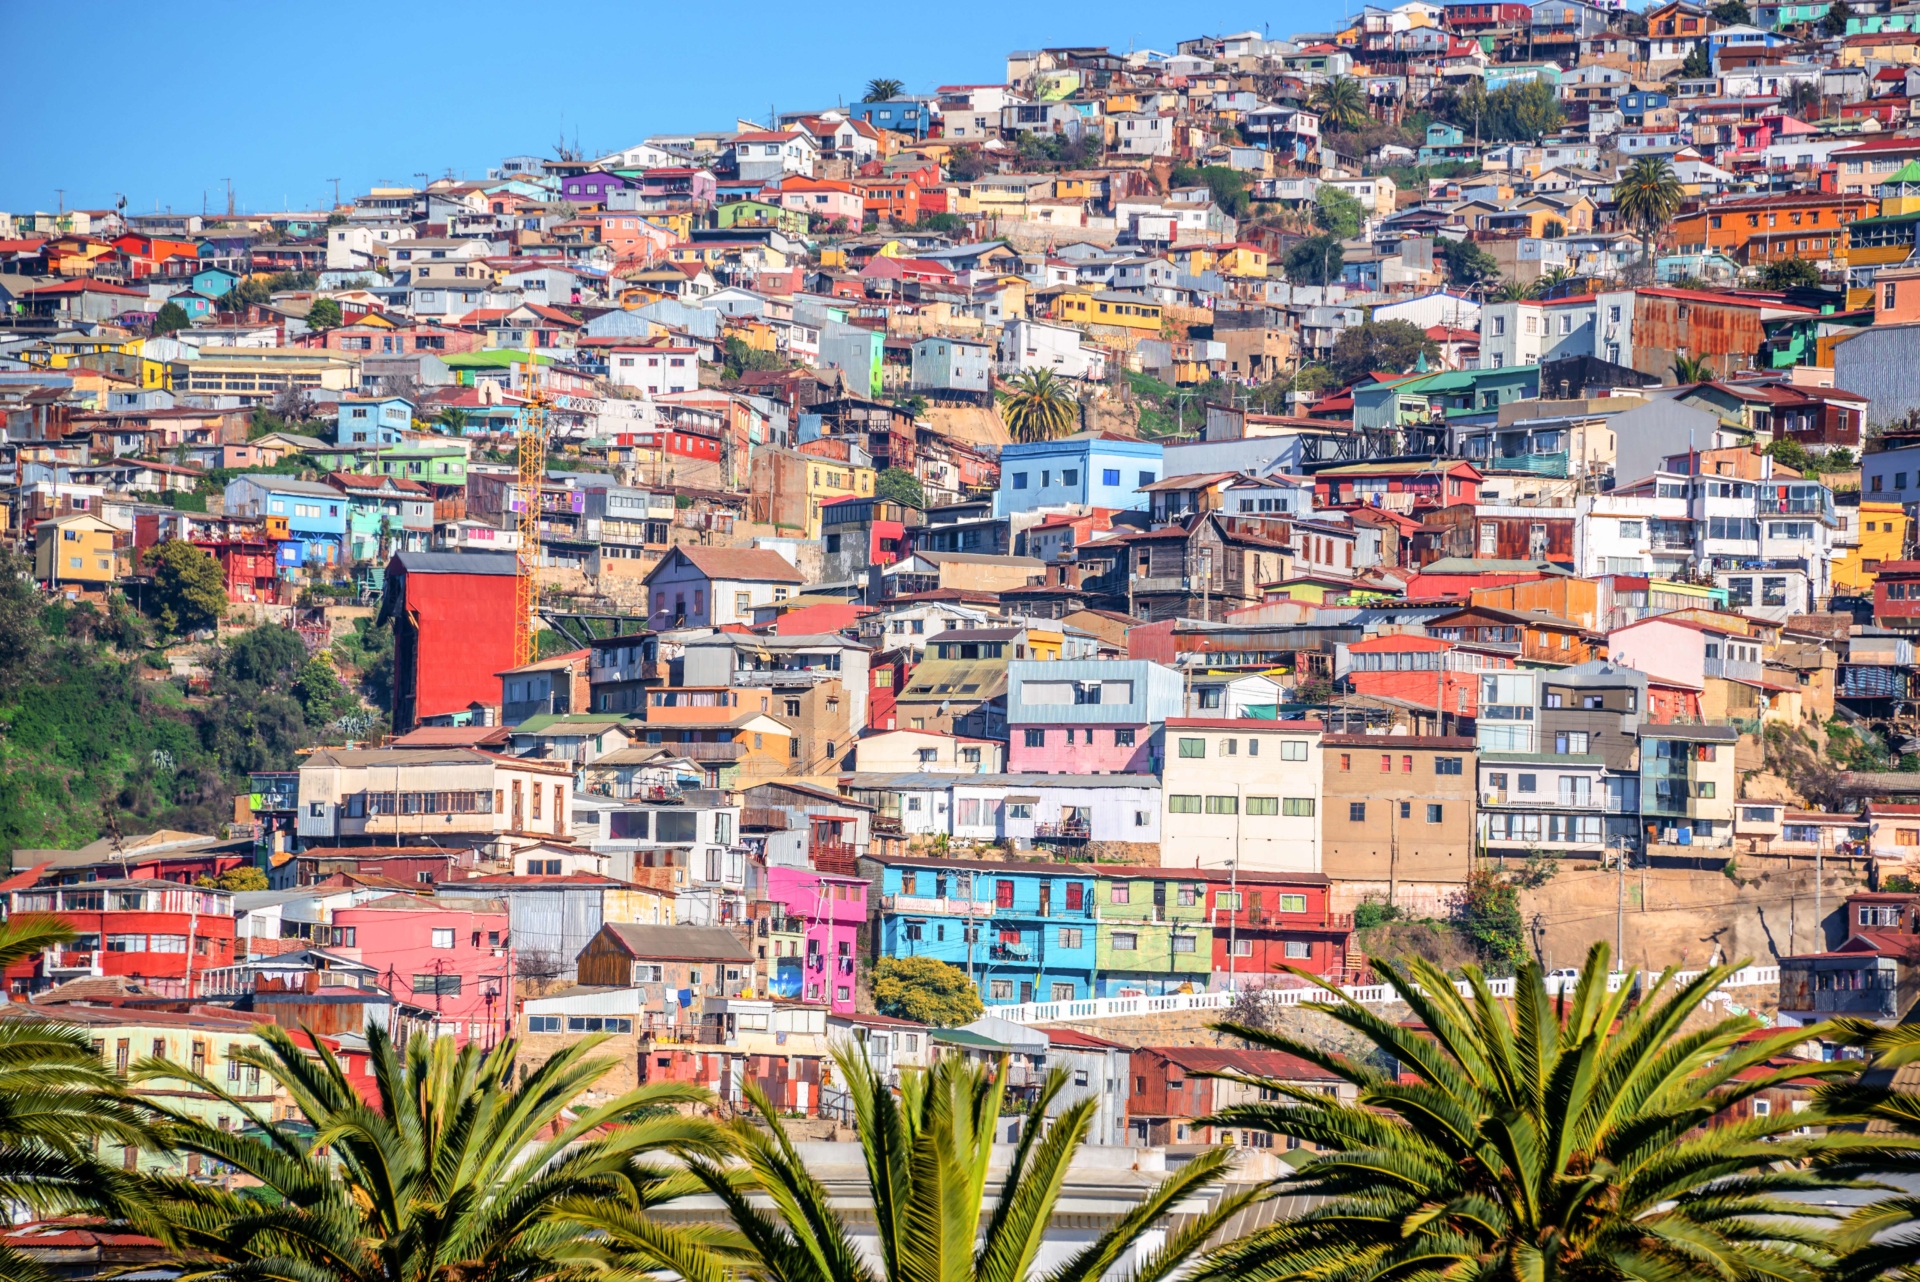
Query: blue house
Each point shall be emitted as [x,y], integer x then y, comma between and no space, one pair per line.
[316,515]
[1635,105]
[902,115]
[373,420]
[1445,142]
[214,282]
[1091,468]
[1021,931]
[195,304]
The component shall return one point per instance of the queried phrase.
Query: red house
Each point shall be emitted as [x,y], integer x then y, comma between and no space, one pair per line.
[442,963]
[248,566]
[452,617]
[1169,1091]
[1283,920]
[161,933]
[1417,669]
[1430,485]
[1896,595]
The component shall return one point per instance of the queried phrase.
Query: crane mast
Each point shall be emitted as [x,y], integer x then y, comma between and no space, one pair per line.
[533,474]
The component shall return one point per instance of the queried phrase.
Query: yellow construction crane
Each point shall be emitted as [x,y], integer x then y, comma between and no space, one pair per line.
[533,474]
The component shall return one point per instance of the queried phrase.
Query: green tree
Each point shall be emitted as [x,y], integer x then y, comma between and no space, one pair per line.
[268,655]
[1038,407]
[1337,213]
[461,1171]
[453,419]
[324,314]
[1489,914]
[1732,13]
[738,358]
[1646,197]
[929,1149]
[1877,1240]
[897,485]
[1789,273]
[1316,260]
[189,588]
[58,1102]
[1467,264]
[245,877]
[320,693]
[881,89]
[1834,21]
[1342,104]
[1228,186]
[1691,369]
[169,318]
[1393,346]
[1698,64]
[1804,101]
[1790,453]
[924,989]
[1541,1139]
[1523,112]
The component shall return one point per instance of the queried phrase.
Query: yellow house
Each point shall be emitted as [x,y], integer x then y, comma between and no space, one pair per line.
[1883,533]
[830,479]
[1241,260]
[1081,186]
[1125,311]
[1901,48]
[73,549]
[679,222]
[1044,643]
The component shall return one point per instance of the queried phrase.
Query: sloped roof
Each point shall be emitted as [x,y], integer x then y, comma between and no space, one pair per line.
[677,943]
[759,564]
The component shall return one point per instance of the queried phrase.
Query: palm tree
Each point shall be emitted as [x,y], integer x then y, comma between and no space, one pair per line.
[927,1153]
[457,1172]
[1342,104]
[880,89]
[453,418]
[1038,407]
[1511,291]
[1877,1239]
[1691,369]
[1551,281]
[58,1101]
[1536,1139]
[1646,197]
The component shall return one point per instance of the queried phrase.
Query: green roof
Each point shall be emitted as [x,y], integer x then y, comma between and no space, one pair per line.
[562,721]
[1882,219]
[1907,173]
[492,358]
[961,1037]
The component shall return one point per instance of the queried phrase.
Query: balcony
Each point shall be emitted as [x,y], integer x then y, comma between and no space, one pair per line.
[707,751]
[1732,669]
[69,961]
[1065,829]
[935,907]
[1010,952]
[1539,464]
[275,791]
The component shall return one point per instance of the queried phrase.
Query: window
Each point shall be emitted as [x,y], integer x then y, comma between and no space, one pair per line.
[1070,476]
[1182,803]
[1070,937]
[1356,812]
[436,985]
[1110,476]
[1346,761]
[1146,478]
[1297,807]
[1293,750]
[1434,814]
[1019,480]
[1125,941]
[1183,943]
[1223,805]
[1299,949]
[1193,747]
[1570,743]
[1526,783]
[1263,805]
[543,1023]
[1036,738]
[1123,738]
[1293,903]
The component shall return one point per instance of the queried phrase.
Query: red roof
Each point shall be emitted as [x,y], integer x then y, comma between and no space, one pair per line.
[83,286]
[1240,723]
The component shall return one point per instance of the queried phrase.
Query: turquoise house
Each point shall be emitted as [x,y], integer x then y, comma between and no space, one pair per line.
[1423,397]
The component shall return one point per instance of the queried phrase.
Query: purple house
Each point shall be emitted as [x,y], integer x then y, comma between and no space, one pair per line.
[827,911]
[591,187]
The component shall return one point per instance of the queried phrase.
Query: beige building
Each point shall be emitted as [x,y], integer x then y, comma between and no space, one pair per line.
[1239,792]
[420,794]
[1399,819]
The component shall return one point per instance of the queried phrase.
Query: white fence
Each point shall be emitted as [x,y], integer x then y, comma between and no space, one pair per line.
[1367,994]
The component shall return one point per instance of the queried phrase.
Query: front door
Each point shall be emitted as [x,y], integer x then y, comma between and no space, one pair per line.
[1046,897]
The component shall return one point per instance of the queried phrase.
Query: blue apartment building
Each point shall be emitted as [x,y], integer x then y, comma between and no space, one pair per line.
[1091,468]
[901,115]
[1021,931]
[316,515]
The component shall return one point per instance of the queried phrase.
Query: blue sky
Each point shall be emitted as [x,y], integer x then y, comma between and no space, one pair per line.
[281,97]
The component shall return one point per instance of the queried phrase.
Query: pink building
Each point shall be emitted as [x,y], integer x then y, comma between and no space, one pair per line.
[1089,716]
[449,965]
[827,911]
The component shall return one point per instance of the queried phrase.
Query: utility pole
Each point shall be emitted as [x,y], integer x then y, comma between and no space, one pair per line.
[1620,910]
[229,183]
[336,190]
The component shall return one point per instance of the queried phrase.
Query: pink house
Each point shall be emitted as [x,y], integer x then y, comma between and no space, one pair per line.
[1089,716]
[827,911]
[448,965]
[1685,651]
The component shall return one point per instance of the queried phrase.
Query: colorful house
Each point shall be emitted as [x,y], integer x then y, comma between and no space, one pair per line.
[824,913]
[1089,716]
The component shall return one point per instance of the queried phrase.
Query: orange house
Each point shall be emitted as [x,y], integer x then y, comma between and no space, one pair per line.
[1764,229]
[894,198]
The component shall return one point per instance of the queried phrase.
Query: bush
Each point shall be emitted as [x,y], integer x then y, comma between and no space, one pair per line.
[1369,913]
[924,989]
[1489,914]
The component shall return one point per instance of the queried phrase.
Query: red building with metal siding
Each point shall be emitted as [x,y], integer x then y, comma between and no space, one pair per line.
[1283,920]
[454,610]
[161,933]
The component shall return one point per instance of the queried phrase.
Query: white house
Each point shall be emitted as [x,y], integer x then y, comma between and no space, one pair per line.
[657,371]
[1241,793]
[700,587]
[1031,344]
[761,155]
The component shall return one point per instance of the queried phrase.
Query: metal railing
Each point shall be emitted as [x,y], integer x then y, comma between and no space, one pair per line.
[1366,994]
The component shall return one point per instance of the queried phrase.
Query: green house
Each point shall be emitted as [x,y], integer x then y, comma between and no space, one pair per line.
[758,213]
[427,464]
[1154,933]
[1399,402]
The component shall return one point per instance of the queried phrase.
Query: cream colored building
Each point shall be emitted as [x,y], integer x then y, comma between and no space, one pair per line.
[1241,793]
